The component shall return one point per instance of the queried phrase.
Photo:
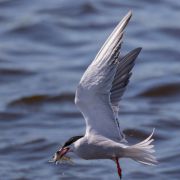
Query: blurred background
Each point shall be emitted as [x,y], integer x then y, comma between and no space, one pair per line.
[45,46]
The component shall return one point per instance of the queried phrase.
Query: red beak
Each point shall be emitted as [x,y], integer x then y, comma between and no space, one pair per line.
[63,151]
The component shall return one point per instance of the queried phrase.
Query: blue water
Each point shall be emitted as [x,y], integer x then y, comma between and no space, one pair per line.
[45,46]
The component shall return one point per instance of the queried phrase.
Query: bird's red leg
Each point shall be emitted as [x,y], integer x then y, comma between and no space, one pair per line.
[118,168]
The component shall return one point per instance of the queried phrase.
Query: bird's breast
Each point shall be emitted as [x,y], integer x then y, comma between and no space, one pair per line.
[96,150]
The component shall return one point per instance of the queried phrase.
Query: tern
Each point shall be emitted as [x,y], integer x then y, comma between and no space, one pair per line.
[97,97]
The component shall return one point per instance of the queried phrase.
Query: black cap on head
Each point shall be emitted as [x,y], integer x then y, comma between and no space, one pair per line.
[71,140]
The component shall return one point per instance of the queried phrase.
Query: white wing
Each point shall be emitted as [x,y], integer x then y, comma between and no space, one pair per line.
[94,90]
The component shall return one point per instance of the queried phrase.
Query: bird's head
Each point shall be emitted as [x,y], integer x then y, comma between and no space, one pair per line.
[67,147]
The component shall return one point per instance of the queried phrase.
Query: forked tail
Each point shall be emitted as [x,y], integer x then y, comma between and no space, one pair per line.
[142,152]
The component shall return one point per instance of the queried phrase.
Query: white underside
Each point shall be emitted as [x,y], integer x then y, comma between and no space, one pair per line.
[99,147]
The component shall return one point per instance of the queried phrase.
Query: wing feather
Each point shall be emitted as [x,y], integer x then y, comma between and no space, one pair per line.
[121,78]
[93,92]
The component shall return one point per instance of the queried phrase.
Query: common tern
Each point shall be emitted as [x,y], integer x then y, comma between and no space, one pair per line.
[97,97]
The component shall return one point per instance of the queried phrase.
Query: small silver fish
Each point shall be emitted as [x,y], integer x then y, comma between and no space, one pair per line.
[58,159]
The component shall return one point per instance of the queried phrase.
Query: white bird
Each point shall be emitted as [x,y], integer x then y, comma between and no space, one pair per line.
[97,97]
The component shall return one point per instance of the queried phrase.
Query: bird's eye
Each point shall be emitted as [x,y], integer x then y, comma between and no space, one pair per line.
[57,152]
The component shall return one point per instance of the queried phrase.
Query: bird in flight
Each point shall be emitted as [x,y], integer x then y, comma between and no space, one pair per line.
[97,97]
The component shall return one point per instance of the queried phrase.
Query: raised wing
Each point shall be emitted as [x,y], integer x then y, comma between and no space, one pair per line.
[121,78]
[93,92]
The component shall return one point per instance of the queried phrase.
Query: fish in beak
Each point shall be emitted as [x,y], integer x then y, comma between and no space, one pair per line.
[60,155]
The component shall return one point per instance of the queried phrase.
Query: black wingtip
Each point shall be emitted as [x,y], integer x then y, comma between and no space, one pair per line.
[132,55]
[138,50]
[135,52]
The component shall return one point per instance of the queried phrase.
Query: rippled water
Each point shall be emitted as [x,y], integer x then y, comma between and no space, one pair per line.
[45,47]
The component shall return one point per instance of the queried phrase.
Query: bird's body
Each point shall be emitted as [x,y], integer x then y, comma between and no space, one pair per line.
[97,97]
[97,147]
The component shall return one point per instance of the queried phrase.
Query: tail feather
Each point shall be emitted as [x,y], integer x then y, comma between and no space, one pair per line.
[142,152]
